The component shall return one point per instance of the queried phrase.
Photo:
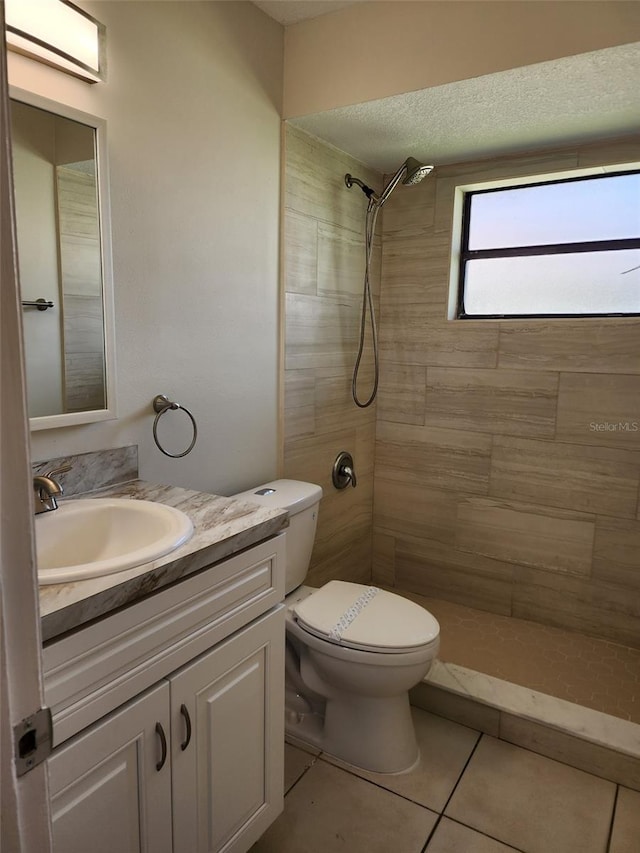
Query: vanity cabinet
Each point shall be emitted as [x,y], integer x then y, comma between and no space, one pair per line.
[218,783]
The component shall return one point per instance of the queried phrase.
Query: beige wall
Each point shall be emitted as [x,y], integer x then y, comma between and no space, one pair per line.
[491,488]
[377,49]
[324,268]
[192,103]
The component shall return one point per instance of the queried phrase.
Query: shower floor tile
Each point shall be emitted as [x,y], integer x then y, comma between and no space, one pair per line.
[591,672]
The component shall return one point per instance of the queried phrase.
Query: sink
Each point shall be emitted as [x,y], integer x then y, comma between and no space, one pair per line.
[90,538]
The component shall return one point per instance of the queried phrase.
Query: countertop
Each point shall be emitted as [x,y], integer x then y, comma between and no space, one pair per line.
[221,527]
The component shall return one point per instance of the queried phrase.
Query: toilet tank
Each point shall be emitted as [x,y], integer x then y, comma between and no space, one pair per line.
[302,501]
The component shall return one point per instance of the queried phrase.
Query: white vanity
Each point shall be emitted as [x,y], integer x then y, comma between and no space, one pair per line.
[166,687]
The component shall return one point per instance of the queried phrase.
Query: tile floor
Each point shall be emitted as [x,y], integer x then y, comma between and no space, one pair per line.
[589,671]
[470,793]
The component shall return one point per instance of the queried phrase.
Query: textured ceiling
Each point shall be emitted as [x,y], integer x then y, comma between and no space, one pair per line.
[292,11]
[576,98]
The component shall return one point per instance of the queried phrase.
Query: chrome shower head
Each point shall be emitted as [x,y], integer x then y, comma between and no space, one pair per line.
[415,172]
[411,172]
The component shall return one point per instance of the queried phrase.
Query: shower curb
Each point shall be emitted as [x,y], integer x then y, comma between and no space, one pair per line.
[589,740]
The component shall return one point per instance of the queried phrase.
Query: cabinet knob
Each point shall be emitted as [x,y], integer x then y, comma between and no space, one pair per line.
[163,746]
[187,721]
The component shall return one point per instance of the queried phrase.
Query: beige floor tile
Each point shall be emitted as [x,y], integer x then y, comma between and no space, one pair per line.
[625,837]
[531,802]
[451,837]
[330,811]
[444,750]
[296,761]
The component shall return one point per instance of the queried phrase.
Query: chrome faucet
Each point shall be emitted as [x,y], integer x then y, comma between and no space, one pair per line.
[47,490]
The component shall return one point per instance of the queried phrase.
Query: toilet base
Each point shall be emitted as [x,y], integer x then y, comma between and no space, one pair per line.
[369,733]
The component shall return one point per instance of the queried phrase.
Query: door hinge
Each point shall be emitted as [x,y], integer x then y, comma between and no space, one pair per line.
[32,739]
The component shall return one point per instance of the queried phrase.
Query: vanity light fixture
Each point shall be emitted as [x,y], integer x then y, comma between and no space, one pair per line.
[59,34]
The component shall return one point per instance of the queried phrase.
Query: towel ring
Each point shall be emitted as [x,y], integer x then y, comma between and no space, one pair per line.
[162,404]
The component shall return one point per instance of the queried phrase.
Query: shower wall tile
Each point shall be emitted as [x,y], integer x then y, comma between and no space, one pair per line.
[581,604]
[299,403]
[410,345]
[469,344]
[416,269]
[324,246]
[582,346]
[592,479]
[526,534]
[341,261]
[616,552]
[401,393]
[440,458]
[314,182]
[434,569]
[334,405]
[600,408]
[412,213]
[383,570]
[406,509]
[320,331]
[493,401]
[301,253]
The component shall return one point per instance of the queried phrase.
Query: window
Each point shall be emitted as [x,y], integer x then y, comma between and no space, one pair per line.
[565,248]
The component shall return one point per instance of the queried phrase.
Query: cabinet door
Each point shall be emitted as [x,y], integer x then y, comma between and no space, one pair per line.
[228,781]
[106,794]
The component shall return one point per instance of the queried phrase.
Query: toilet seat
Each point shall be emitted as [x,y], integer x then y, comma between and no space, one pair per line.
[367,619]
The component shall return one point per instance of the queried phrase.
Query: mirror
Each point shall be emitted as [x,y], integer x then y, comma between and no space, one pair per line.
[64,259]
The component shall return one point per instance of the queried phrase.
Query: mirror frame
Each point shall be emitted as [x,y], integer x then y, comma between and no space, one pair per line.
[104,210]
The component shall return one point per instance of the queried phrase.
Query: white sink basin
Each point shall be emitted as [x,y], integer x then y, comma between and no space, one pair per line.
[90,538]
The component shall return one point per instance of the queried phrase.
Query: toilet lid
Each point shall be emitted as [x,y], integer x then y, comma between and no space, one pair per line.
[365,617]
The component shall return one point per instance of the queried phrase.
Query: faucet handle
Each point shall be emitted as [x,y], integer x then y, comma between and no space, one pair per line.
[62,469]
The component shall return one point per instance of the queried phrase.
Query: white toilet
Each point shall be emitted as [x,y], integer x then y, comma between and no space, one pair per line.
[352,654]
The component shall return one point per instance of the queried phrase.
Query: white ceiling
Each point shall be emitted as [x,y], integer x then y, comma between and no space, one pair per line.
[551,103]
[292,11]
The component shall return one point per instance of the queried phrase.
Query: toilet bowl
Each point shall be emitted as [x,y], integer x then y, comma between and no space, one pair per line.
[352,651]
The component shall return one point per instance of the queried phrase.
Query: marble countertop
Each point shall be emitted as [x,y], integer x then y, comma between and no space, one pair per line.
[221,527]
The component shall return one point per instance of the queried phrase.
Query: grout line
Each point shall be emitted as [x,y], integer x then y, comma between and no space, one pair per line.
[486,835]
[304,773]
[373,782]
[431,834]
[455,787]
[551,758]
[613,817]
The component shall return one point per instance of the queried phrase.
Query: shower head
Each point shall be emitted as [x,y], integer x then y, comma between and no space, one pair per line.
[415,172]
[411,172]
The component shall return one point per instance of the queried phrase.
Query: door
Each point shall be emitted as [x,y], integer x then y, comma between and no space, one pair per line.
[107,793]
[227,716]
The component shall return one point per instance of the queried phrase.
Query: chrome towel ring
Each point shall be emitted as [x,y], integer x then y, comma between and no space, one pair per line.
[162,404]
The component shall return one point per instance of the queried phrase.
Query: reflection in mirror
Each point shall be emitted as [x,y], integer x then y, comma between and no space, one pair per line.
[62,260]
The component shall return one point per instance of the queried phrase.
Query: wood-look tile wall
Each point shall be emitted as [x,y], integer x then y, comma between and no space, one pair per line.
[323,277]
[502,478]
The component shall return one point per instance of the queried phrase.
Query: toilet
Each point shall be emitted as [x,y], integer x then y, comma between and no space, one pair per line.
[353,651]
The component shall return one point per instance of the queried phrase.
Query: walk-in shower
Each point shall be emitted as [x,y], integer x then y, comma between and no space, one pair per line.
[411,172]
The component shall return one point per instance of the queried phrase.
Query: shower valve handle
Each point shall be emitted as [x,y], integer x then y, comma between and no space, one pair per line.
[343,473]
